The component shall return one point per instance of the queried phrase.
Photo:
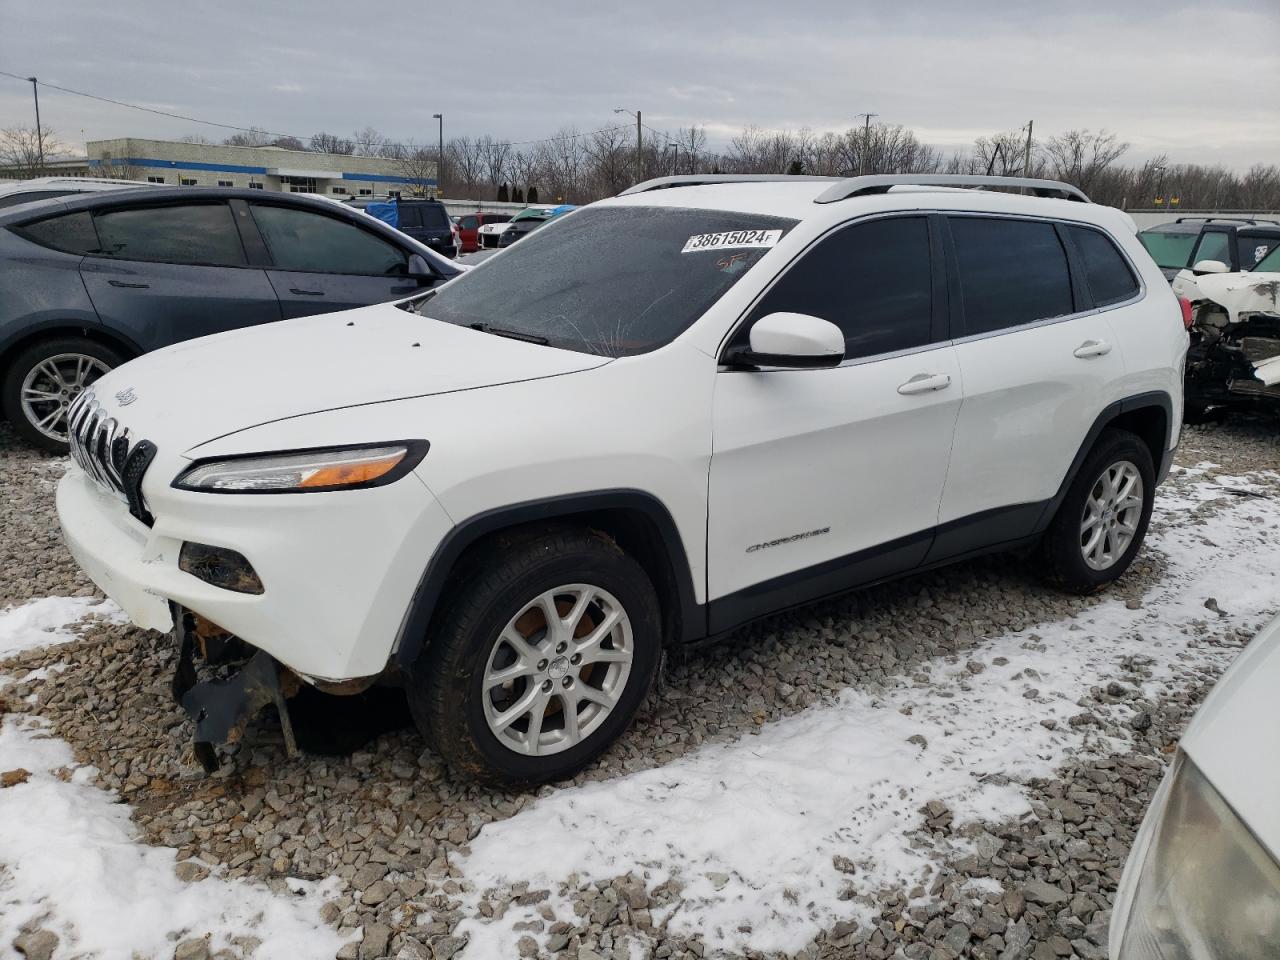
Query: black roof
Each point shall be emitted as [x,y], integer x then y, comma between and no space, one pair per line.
[141,196]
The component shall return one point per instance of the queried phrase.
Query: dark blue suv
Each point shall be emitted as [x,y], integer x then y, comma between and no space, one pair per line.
[91,280]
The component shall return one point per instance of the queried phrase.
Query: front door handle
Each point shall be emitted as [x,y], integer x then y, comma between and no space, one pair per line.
[306,293]
[1092,348]
[925,383]
[131,286]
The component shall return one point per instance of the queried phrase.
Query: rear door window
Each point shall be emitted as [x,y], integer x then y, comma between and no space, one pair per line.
[873,280]
[1012,272]
[314,243]
[70,233]
[410,215]
[203,233]
[1170,249]
[1106,271]
[434,216]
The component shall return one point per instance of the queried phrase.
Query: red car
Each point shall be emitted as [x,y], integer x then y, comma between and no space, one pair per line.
[469,225]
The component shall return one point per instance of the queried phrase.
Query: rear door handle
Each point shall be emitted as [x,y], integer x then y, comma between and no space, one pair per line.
[1092,348]
[306,293]
[925,383]
[131,286]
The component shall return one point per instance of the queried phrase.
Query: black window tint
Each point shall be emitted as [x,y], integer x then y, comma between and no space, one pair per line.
[1011,272]
[313,243]
[872,280]
[434,216]
[13,199]
[1254,248]
[71,233]
[409,215]
[1105,269]
[189,233]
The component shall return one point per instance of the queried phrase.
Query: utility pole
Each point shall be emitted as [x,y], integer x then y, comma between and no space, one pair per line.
[639,143]
[675,158]
[866,141]
[1026,154]
[35,92]
[439,155]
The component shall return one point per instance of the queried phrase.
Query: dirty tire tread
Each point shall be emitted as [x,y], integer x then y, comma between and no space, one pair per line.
[21,364]
[459,643]
[1060,559]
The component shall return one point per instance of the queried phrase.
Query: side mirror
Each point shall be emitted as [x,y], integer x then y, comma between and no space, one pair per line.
[1210,266]
[419,269]
[795,340]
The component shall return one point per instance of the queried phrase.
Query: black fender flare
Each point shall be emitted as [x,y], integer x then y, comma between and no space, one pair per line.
[417,619]
[1155,398]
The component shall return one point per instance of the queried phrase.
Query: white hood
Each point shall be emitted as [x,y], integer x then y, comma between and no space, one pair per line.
[1235,737]
[1242,292]
[196,391]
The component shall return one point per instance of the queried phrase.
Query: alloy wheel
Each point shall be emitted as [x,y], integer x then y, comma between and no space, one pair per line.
[557,669]
[1112,513]
[52,385]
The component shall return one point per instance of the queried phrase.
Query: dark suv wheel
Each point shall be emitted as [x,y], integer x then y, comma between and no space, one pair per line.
[44,379]
[1103,519]
[541,659]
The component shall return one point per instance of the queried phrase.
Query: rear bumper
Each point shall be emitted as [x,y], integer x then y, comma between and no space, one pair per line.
[339,569]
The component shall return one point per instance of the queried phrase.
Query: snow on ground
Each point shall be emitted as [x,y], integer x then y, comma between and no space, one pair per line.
[46,622]
[750,828]
[69,861]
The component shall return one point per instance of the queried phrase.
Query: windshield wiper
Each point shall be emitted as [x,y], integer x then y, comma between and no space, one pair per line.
[510,334]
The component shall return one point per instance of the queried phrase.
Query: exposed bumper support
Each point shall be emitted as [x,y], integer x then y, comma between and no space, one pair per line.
[221,709]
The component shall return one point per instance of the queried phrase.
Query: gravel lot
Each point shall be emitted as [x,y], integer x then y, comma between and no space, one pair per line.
[395,831]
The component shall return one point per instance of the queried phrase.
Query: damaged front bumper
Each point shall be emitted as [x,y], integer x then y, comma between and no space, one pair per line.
[221,708]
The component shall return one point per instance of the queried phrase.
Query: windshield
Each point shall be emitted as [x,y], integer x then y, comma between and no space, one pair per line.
[1169,249]
[614,281]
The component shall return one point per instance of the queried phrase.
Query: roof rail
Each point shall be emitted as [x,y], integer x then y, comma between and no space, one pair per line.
[880,183]
[1249,220]
[703,179]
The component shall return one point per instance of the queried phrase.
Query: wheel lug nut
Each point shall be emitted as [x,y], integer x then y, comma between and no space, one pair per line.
[561,647]
[567,681]
[576,659]
[546,686]
[542,664]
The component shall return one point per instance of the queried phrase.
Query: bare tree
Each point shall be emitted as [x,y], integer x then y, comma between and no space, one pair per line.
[370,143]
[288,143]
[466,165]
[197,138]
[496,157]
[332,143]
[21,147]
[417,164]
[1002,154]
[1080,157]
[253,137]
[693,142]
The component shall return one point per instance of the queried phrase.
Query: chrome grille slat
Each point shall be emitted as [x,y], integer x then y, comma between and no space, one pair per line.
[102,448]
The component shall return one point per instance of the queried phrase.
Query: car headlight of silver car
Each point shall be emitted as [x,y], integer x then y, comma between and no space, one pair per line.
[1207,888]
[305,471]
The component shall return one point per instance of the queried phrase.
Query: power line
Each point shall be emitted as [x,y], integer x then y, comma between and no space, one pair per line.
[232,126]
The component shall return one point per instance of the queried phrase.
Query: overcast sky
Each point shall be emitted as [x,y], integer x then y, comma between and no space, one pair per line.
[1199,81]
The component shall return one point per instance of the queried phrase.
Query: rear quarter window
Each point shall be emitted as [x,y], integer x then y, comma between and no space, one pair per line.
[1107,273]
[70,233]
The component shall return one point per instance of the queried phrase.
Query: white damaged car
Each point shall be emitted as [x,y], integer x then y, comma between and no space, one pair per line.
[654,420]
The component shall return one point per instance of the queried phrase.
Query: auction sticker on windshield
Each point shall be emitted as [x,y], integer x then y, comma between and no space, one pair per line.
[732,239]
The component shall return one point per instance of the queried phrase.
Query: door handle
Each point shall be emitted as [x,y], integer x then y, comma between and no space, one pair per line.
[131,286]
[306,293]
[925,383]
[1092,348]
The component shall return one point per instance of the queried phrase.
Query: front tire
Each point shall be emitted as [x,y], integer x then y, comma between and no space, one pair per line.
[44,379]
[541,659]
[1101,523]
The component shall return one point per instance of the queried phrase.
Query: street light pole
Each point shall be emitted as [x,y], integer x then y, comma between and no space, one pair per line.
[439,154]
[35,92]
[675,158]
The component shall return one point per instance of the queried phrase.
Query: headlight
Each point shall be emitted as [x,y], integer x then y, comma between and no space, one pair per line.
[1207,889]
[305,471]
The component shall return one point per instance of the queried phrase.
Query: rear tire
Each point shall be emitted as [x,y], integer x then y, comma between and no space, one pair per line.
[512,698]
[1101,523]
[43,380]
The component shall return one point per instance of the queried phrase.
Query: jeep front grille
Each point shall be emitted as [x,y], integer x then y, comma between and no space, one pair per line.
[104,449]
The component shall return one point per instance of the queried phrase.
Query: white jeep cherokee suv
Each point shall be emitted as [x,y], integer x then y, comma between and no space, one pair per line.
[660,417]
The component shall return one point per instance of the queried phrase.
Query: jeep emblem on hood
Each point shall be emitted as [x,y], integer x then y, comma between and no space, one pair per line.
[126,396]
